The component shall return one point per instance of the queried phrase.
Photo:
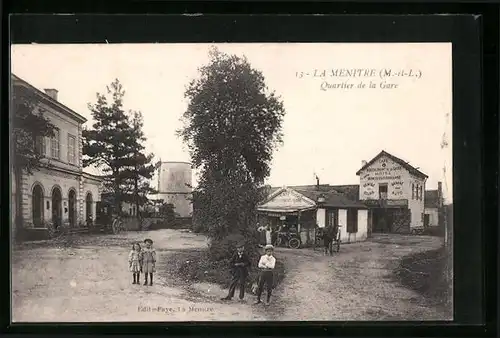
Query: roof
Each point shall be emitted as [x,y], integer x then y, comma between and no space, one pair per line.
[431,199]
[414,171]
[62,108]
[351,191]
[333,198]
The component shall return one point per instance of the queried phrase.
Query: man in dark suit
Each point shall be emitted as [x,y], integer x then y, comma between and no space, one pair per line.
[240,263]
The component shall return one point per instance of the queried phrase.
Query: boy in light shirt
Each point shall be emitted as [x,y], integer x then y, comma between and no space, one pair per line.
[266,266]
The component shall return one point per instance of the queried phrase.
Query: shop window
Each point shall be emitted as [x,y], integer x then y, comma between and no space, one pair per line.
[352,220]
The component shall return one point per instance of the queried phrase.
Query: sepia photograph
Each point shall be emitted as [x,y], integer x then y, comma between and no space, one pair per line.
[179,182]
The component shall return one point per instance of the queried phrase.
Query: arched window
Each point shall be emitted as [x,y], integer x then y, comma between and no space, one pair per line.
[37,205]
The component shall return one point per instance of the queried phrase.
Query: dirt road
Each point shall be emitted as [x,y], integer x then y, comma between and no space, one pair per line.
[355,284]
[88,280]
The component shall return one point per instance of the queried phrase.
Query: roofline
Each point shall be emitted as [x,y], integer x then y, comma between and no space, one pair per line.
[91,176]
[69,112]
[383,152]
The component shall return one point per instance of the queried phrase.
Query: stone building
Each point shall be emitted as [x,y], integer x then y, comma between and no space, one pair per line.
[60,193]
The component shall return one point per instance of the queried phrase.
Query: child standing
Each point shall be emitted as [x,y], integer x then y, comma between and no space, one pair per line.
[134,262]
[266,266]
[148,261]
[240,264]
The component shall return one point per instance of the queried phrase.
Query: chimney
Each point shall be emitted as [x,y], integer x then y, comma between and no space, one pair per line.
[52,93]
[363,163]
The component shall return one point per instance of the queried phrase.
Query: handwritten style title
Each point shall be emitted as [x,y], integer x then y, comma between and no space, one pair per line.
[387,76]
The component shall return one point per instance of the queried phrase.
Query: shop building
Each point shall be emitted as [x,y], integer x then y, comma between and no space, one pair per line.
[394,192]
[304,207]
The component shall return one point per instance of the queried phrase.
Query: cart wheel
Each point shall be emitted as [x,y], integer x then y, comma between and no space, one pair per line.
[294,243]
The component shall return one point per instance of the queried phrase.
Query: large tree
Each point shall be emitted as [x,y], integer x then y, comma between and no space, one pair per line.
[114,145]
[231,126]
[29,129]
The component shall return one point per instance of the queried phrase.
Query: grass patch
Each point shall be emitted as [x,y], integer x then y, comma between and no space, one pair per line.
[194,266]
[425,272]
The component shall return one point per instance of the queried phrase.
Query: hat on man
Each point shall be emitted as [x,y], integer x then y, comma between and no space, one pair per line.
[269,247]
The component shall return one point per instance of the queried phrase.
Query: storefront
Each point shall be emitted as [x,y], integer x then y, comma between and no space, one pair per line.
[303,210]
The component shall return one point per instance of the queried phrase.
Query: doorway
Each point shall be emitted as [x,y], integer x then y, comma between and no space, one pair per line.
[56,207]
[37,206]
[72,208]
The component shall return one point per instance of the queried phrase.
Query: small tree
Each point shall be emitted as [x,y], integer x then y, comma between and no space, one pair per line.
[231,126]
[29,129]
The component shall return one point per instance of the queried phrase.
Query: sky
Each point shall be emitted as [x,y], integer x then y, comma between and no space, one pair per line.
[328,129]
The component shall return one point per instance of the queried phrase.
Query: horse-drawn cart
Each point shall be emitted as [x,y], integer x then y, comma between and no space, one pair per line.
[107,219]
[333,236]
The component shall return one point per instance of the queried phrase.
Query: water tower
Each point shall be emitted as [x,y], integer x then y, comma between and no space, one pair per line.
[175,186]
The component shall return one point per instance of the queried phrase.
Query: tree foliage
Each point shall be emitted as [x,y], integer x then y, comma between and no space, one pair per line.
[231,126]
[29,128]
[115,145]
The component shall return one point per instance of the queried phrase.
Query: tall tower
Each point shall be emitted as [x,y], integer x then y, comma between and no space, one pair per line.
[175,186]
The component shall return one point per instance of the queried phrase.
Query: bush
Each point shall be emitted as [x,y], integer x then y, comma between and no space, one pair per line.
[223,249]
[197,266]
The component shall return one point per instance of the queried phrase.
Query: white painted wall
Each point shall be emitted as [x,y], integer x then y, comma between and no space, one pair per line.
[321,217]
[362,233]
[433,216]
[399,186]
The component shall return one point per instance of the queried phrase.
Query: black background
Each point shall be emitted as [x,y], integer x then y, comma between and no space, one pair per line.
[475,121]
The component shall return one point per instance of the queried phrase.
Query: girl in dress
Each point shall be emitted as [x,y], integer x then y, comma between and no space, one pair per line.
[134,262]
[148,261]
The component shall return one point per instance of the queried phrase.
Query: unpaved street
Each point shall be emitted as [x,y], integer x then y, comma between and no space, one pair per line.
[88,280]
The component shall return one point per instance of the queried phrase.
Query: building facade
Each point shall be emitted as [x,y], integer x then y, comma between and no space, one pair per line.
[433,213]
[309,206]
[175,186]
[60,193]
[394,192]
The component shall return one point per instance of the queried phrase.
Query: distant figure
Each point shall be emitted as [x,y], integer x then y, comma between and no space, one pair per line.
[268,235]
[266,265]
[239,269]
[135,262]
[148,261]
[329,234]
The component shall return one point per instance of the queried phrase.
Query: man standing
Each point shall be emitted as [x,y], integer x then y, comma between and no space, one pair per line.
[240,264]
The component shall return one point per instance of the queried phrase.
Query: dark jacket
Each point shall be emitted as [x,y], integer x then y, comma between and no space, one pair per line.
[240,270]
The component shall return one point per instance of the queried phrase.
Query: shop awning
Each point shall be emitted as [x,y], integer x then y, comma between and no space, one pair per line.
[287,201]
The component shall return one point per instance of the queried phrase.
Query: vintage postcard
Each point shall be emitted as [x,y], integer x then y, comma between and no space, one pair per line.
[231,182]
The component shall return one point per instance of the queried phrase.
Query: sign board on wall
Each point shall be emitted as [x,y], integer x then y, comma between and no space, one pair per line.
[287,200]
